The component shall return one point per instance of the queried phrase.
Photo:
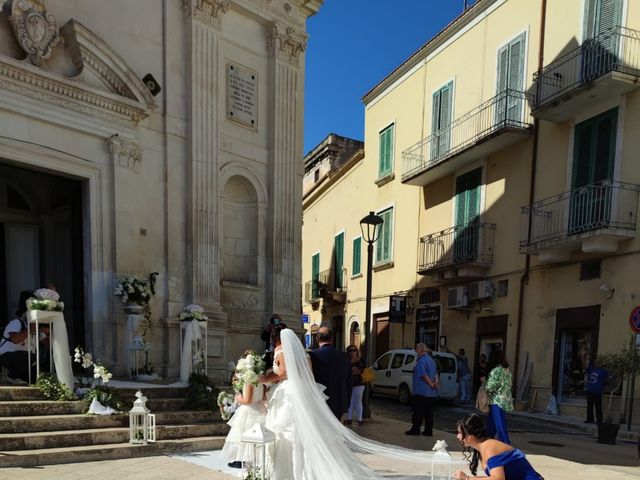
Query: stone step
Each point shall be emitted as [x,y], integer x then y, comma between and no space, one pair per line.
[20,393]
[76,438]
[39,407]
[54,456]
[152,392]
[48,423]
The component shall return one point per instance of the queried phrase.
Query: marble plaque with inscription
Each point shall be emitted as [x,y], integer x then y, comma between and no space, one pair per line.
[242,95]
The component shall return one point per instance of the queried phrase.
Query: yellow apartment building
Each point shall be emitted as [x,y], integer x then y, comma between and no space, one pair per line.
[502,158]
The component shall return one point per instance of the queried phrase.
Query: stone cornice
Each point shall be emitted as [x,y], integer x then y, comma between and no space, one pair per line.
[34,82]
[206,11]
[284,43]
[125,153]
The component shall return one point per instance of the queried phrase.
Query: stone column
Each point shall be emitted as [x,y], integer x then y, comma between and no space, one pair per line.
[203,17]
[286,48]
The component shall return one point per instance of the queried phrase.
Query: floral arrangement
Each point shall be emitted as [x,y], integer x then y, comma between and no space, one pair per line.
[86,359]
[134,289]
[45,299]
[227,405]
[201,394]
[52,389]
[193,312]
[248,370]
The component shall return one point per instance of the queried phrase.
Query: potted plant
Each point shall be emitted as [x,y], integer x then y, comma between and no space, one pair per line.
[622,364]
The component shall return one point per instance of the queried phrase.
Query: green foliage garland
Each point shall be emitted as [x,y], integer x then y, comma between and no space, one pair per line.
[52,389]
[202,394]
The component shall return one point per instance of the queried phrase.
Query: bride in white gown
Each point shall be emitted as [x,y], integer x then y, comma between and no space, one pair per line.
[311,443]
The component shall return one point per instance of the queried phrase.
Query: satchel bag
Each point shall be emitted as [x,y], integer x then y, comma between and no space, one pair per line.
[482,399]
[368,375]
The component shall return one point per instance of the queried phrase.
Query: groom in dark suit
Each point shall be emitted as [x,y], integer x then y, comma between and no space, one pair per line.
[332,369]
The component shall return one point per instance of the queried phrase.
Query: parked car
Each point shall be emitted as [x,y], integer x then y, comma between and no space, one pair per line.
[394,374]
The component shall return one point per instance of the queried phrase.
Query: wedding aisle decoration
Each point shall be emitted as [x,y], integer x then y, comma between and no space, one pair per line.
[193,338]
[100,399]
[227,405]
[46,300]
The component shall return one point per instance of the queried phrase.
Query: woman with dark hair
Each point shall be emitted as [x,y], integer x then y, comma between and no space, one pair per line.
[357,367]
[13,344]
[498,387]
[499,460]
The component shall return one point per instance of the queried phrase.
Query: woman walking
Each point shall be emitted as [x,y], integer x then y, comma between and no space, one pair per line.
[499,390]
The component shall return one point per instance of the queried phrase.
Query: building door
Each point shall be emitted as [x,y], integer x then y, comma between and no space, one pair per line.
[593,158]
[428,325]
[382,335]
[491,334]
[576,342]
[338,261]
[22,254]
[466,234]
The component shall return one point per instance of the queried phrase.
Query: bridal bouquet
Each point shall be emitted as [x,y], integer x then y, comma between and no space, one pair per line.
[45,299]
[193,312]
[227,405]
[248,370]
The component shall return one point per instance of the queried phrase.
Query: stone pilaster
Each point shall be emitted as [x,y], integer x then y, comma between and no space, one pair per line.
[286,48]
[203,17]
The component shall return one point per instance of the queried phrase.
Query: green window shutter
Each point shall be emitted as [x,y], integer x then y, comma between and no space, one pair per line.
[609,15]
[338,251]
[357,254]
[383,245]
[315,274]
[446,98]
[594,149]
[516,76]
[503,69]
[386,151]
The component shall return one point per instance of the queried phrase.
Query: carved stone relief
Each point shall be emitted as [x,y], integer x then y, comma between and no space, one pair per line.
[125,153]
[207,11]
[35,28]
[286,44]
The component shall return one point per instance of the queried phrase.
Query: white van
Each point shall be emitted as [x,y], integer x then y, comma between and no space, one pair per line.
[394,374]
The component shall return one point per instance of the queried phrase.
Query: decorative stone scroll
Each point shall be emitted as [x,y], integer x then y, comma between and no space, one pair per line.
[242,93]
[286,44]
[125,152]
[34,27]
[207,11]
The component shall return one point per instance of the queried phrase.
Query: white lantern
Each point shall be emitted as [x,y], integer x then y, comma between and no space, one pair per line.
[258,437]
[142,424]
[443,465]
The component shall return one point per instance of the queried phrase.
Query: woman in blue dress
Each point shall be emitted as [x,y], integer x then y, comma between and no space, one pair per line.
[500,461]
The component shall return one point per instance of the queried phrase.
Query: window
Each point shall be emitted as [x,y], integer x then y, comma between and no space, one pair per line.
[590,270]
[316,175]
[384,243]
[410,359]
[510,76]
[430,295]
[338,260]
[441,108]
[357,254]
[385,161]
[315,275]
[398,360]
[503,288]
[601,16]
[383,362]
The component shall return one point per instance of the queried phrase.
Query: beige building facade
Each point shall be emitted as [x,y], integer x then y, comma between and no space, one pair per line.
[504,150]
[104,175]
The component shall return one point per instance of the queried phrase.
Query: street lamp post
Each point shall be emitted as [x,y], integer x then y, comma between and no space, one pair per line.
[370,226]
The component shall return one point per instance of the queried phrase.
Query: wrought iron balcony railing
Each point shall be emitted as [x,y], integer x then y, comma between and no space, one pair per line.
[617,50]
[505,110]
[606,205]
[471,243]
[328,282]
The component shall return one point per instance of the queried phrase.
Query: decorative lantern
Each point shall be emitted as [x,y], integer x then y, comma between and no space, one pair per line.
[258,437]
[136,353]
[443,466]
[142,424]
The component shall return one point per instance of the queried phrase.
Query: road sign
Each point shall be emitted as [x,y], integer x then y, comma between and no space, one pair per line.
[305,318]
[634,320]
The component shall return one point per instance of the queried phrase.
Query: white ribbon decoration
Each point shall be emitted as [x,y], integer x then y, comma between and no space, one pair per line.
[192,332]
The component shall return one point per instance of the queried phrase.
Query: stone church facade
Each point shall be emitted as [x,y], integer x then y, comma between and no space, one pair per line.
[154,136]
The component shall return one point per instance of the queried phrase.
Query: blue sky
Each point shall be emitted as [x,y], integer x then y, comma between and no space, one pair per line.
[353,45]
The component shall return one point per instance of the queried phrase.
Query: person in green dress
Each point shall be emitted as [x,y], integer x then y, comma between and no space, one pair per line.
[500,401]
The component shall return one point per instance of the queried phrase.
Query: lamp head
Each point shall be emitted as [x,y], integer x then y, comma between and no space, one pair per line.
[370,226]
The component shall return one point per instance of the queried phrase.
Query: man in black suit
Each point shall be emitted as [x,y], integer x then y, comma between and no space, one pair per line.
[332,369]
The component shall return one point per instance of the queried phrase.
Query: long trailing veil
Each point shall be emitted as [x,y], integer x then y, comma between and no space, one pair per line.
[329,448]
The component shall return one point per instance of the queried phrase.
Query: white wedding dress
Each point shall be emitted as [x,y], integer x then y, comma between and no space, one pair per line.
[311,443]
[245,417]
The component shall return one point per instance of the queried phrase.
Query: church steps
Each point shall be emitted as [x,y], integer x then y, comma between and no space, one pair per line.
[51,407]
[77,438]
[46,423]
[54,456]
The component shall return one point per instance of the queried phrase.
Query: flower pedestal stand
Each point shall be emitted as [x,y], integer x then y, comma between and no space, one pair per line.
[134,343]
[58,344]
[193,348]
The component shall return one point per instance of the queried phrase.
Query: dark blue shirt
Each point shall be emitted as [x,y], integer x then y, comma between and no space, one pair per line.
[596,378]
[425,365]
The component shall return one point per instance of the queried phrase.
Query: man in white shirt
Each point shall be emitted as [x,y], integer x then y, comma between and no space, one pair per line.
[13,344]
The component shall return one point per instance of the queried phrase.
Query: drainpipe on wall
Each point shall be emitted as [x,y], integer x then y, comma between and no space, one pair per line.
[524,279]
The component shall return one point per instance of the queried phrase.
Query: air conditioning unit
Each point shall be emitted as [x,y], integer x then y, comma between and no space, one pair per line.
[480,290]
[458,297]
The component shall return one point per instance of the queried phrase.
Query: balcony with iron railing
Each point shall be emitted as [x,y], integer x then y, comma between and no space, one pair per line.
[462,251]
[330,285]
[593,218]
[603,67]
[494,125]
